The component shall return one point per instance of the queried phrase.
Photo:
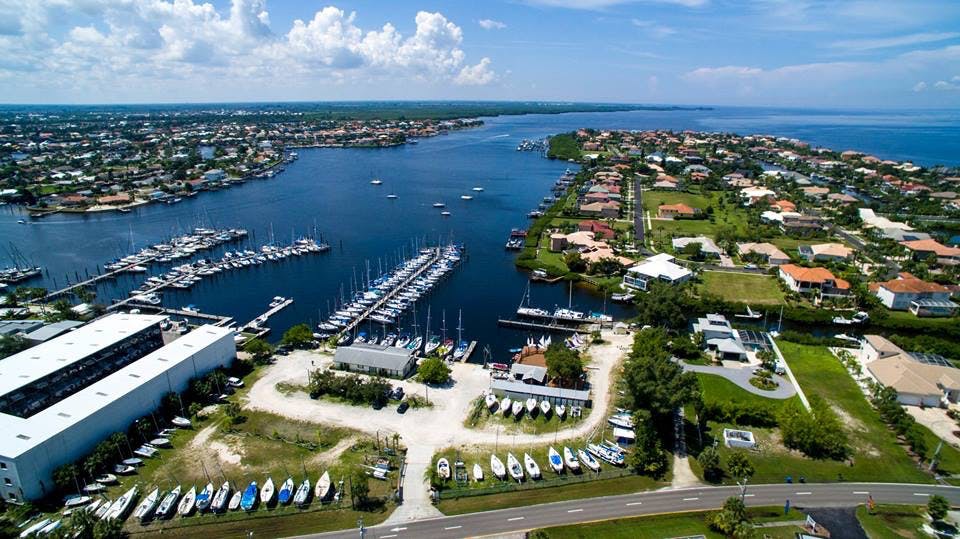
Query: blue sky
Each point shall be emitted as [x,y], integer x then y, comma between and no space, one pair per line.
[804,53]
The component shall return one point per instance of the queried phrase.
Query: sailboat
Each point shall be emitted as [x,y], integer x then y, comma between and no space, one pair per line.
[303,493]
[477,472]
[204,497]
[561,410]
[545,407]
[235,501]
[286,491]
[588,460]
[169,502]
[146,507]
[267,492]
[531,405]
[323,488]
[249,499]
[221,498]
[516,471]
[462,344]
[491,401]
[517,408]
[187,503]
[121,506]
[555,461]
[497,467]
[570,459]
[531,465]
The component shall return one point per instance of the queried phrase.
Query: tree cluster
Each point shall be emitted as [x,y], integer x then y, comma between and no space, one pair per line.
[433,370]
[817,433]
[352,388]
[884,399]
[298,336]
[564,365]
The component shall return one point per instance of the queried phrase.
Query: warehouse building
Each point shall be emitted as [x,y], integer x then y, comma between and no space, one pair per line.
[77,389]
[375,360]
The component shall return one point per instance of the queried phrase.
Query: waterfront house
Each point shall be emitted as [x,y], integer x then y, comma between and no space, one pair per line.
[656,268]
[920,379]
[707,246]
[770,253]
[600,229]
[908,293]
[800,225]
[606,210]
[825,252]
[375,360]
[676,211]
[924,249]
[819,281]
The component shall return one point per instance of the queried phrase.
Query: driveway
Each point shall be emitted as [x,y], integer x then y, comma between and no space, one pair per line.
[936,420]
[741,376]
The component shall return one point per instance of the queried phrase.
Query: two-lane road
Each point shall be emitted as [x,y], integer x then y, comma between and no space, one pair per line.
[663,501]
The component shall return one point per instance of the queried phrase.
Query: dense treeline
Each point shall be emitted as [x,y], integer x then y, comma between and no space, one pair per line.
[564,146]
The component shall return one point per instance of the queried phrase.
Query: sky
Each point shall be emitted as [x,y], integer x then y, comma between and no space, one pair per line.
[788,53]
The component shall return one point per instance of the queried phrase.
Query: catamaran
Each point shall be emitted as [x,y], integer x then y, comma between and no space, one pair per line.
[249,499]
[185,507]
[555,461]
[497,467]
[570,459]
[443,469]
[516,471]
[531,465]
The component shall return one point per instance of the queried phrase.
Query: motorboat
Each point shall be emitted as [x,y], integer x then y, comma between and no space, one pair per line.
[235,501]
[221,498]
[477,472]
[323,487]
[205,497]
[438,204]
[466,197]
[249,499]
[285,495]
[513,465]
[106,479]
[391,196]
[517,408]
[168,503]
[186,505]
[376,181]
[144,511]
[497,467]
[561,410]
[531,465]
[121,506]
[445,213]
[478,189]
[267,492]
[181,422]
[555,461]
[621,420]
[491,401]
[531,405]
[570,460]
[505,405]
[588,460]
[545,407]
[303,493]
[443,469]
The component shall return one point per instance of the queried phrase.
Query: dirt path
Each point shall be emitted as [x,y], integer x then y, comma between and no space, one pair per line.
[426,430]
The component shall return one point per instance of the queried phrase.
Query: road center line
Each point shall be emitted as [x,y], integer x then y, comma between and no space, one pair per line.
[515,518]
[861,492]
[749,495]
[575,510]
[633,503]
[690,499]
[804,493]
[920,494]
[453,527]
[388,536]
[397,529]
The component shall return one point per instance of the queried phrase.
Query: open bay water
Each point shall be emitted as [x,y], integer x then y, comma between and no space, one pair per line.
[330,190]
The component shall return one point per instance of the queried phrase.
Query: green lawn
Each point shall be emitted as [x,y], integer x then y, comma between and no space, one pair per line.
[892,521]
[654,199]
[719,389]
[742,287]
[668,525]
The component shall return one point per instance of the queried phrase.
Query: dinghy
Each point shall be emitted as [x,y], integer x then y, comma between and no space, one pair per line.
[235,501]
[286,492]
[303,493]
[477,472]
[516,471]
[144,511]
[205,497]
[491,401]
[267,492]
[561,410]
[545,408]
[187,503]
[531,405]
[570,459]
[249,499]
[443,469]
[169,503]
[531,465]
[497,467]
[505,405]
[221,498]
[323,488]
[588,460]
[555,461]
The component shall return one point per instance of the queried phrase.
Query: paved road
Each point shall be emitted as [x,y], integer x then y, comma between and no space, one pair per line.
[663,501]
[742,376]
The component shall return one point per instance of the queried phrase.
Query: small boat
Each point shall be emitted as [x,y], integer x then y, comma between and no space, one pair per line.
[144,511]
[497,467]
[466,197]
[478,189]
[516,471]
[267,492]
[570,460]
[443,469]
[123,469]
[561,410]
[92,508]
[181,422]
[186,505]
[491,401]
[106,479]
[249,499]
[160,442]
[505,405]
[302,494]
[121,506]
[517,408]
[477,472]
[50,528]
[531,405]
[169,503]
[102,510]
[555,461]
[235,501]
[445,213]
[531,465]
[545,407]
[391,196]
[76,501]
[94,488]
[35,528]
[286,492]
[205,497]
[621,420]
[588,460]
[221,498]
[376,182]
[133,461]
[438,204]
[323,487]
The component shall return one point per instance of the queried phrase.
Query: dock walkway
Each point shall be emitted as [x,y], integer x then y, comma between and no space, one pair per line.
[534,325]
[254,326]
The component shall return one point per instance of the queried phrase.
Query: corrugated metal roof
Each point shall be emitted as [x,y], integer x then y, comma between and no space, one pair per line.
[381,357]
[540,391]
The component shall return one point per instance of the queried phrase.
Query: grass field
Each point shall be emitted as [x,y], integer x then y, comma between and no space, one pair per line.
[892,521]
[719,389]
[654,199]
[742,287]
[670,525]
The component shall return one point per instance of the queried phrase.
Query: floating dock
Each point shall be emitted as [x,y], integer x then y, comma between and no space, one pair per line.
[535,325]
[254,326]
[469,352]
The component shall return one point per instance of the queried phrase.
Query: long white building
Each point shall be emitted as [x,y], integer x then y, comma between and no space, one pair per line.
[61,398]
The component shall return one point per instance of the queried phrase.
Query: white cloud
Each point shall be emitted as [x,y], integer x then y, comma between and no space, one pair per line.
[653,29]
[491,24]
[920,86]
[895,41]
[952,84]
[180,39]
[603,4]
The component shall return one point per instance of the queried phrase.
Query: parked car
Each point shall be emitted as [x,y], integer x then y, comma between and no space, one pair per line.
[750,266]
[398,394]
[403,407]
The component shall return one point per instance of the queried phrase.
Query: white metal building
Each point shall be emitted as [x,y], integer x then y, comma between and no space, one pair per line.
[34,445]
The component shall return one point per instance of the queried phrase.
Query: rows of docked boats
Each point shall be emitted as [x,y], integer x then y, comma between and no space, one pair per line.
[17,274]
[572,460]
[180,247]
[564,315]
[186,275]
[388,296]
